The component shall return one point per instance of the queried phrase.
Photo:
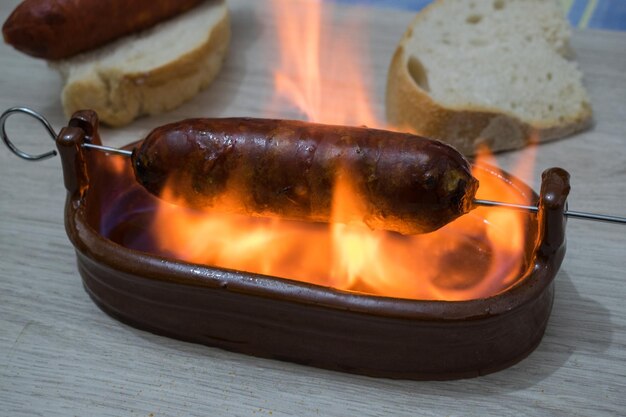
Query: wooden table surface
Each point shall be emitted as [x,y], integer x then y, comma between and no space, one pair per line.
[61,356]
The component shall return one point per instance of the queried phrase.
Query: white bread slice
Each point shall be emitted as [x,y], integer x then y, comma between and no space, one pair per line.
[149,72]
[493,72]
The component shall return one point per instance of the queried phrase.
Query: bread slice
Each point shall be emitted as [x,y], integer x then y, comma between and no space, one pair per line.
[492,72]
[150,72]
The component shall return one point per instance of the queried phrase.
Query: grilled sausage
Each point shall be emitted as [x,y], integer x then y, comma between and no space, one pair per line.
[56,29]
[409,184]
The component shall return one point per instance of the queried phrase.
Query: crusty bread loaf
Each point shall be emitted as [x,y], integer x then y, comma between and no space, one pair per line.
[149,72]
[493,72]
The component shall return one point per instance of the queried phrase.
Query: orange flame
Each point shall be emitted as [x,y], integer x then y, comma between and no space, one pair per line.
[478,255]
[308,44]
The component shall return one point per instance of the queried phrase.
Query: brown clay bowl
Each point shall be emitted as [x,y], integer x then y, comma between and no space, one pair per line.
[299,322]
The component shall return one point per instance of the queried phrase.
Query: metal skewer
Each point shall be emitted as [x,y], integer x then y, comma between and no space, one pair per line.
[108,149]
[568,213]
[51,132]
[127,153]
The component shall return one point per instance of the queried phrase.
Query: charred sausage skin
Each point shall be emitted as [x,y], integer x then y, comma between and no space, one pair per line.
[409,184]
[57,29]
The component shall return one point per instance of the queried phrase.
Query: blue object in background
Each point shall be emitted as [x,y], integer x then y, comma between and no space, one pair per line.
[609,14]
[414,5]
[596,14]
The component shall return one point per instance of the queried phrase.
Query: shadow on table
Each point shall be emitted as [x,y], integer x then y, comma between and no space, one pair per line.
[565,335]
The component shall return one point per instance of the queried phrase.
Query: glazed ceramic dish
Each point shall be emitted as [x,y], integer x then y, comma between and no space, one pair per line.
[294,321]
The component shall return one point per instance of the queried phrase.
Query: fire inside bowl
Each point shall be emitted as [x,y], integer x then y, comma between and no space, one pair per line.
[296,321]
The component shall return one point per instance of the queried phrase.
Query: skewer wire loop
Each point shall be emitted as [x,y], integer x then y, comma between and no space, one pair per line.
[11,145]
[51,132]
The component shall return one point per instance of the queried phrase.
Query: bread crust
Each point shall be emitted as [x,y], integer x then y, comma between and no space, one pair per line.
[120,96]
[410,107]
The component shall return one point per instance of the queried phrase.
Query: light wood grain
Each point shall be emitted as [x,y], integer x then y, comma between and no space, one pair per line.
[61,356]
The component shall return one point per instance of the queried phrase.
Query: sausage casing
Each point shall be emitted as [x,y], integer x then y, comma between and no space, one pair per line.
[407,183]
[56,29]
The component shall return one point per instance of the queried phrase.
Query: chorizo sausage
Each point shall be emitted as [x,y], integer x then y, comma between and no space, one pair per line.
[408,184]
[56,29]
